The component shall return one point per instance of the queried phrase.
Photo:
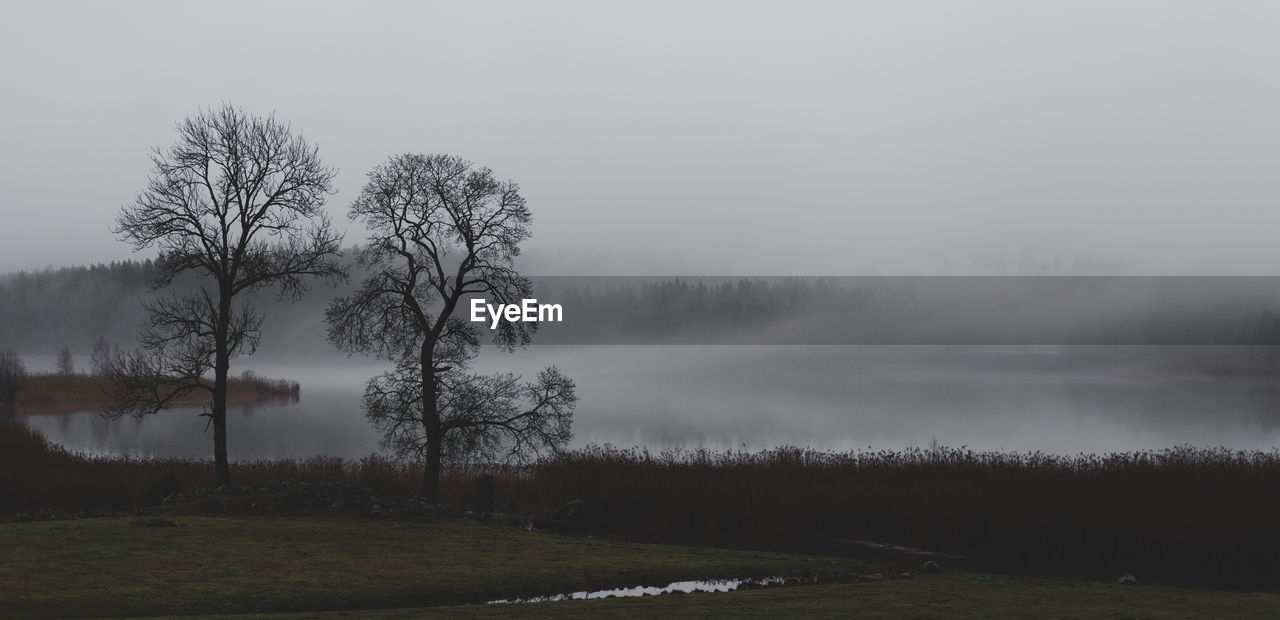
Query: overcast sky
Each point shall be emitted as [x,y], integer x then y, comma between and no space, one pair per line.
[697,137]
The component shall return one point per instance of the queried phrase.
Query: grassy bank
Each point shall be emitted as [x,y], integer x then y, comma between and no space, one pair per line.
[950,595]
[35,475]
[327,567]
[1186,516]
[106,567]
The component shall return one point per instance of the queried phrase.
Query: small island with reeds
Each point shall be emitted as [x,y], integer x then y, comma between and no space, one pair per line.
[53,393]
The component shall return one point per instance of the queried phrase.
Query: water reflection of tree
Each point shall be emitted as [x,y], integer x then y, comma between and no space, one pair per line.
[1265,396]
[100,428]
[272,399]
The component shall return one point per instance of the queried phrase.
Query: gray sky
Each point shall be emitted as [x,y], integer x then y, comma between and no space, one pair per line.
[698,137]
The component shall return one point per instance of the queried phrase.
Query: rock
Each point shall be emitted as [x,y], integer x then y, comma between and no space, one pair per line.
[931,567]
[1127,579]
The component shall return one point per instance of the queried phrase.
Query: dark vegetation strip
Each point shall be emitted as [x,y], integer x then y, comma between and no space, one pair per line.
[1181,516]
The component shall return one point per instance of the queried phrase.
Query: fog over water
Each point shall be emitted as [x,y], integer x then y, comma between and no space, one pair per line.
[1052,399]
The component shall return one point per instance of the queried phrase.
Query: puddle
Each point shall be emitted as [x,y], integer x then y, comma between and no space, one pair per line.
[681,587]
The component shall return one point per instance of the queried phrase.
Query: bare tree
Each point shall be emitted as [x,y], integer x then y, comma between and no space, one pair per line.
[13,378]
[66,367]
[237,204]
[443,230]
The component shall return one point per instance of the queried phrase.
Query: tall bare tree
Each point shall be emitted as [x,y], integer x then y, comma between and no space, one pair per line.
[13,377]
[236,204]
[444,230]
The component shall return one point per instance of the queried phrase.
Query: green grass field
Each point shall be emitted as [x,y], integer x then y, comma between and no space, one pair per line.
[948,595]
[258,564]
[217,566]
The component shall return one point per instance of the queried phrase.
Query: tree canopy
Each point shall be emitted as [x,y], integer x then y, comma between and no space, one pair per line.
[442,230]
[237,202]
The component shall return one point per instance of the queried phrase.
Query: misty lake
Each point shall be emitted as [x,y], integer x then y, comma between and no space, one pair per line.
[1053,399]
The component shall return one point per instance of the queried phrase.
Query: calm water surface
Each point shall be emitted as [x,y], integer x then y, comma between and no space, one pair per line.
[1060,400]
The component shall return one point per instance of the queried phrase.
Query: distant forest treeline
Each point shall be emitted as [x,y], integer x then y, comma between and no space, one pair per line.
[43,311]
[1042,310]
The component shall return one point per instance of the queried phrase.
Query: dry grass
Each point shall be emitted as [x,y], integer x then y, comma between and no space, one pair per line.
[1183,515]
[1189,516]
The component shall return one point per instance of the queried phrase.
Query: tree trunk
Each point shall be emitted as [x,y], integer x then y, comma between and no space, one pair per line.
[431,472]
[222,363]
[431,428]
[221,467]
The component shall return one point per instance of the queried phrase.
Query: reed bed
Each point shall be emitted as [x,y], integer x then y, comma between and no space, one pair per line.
[1181,515]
